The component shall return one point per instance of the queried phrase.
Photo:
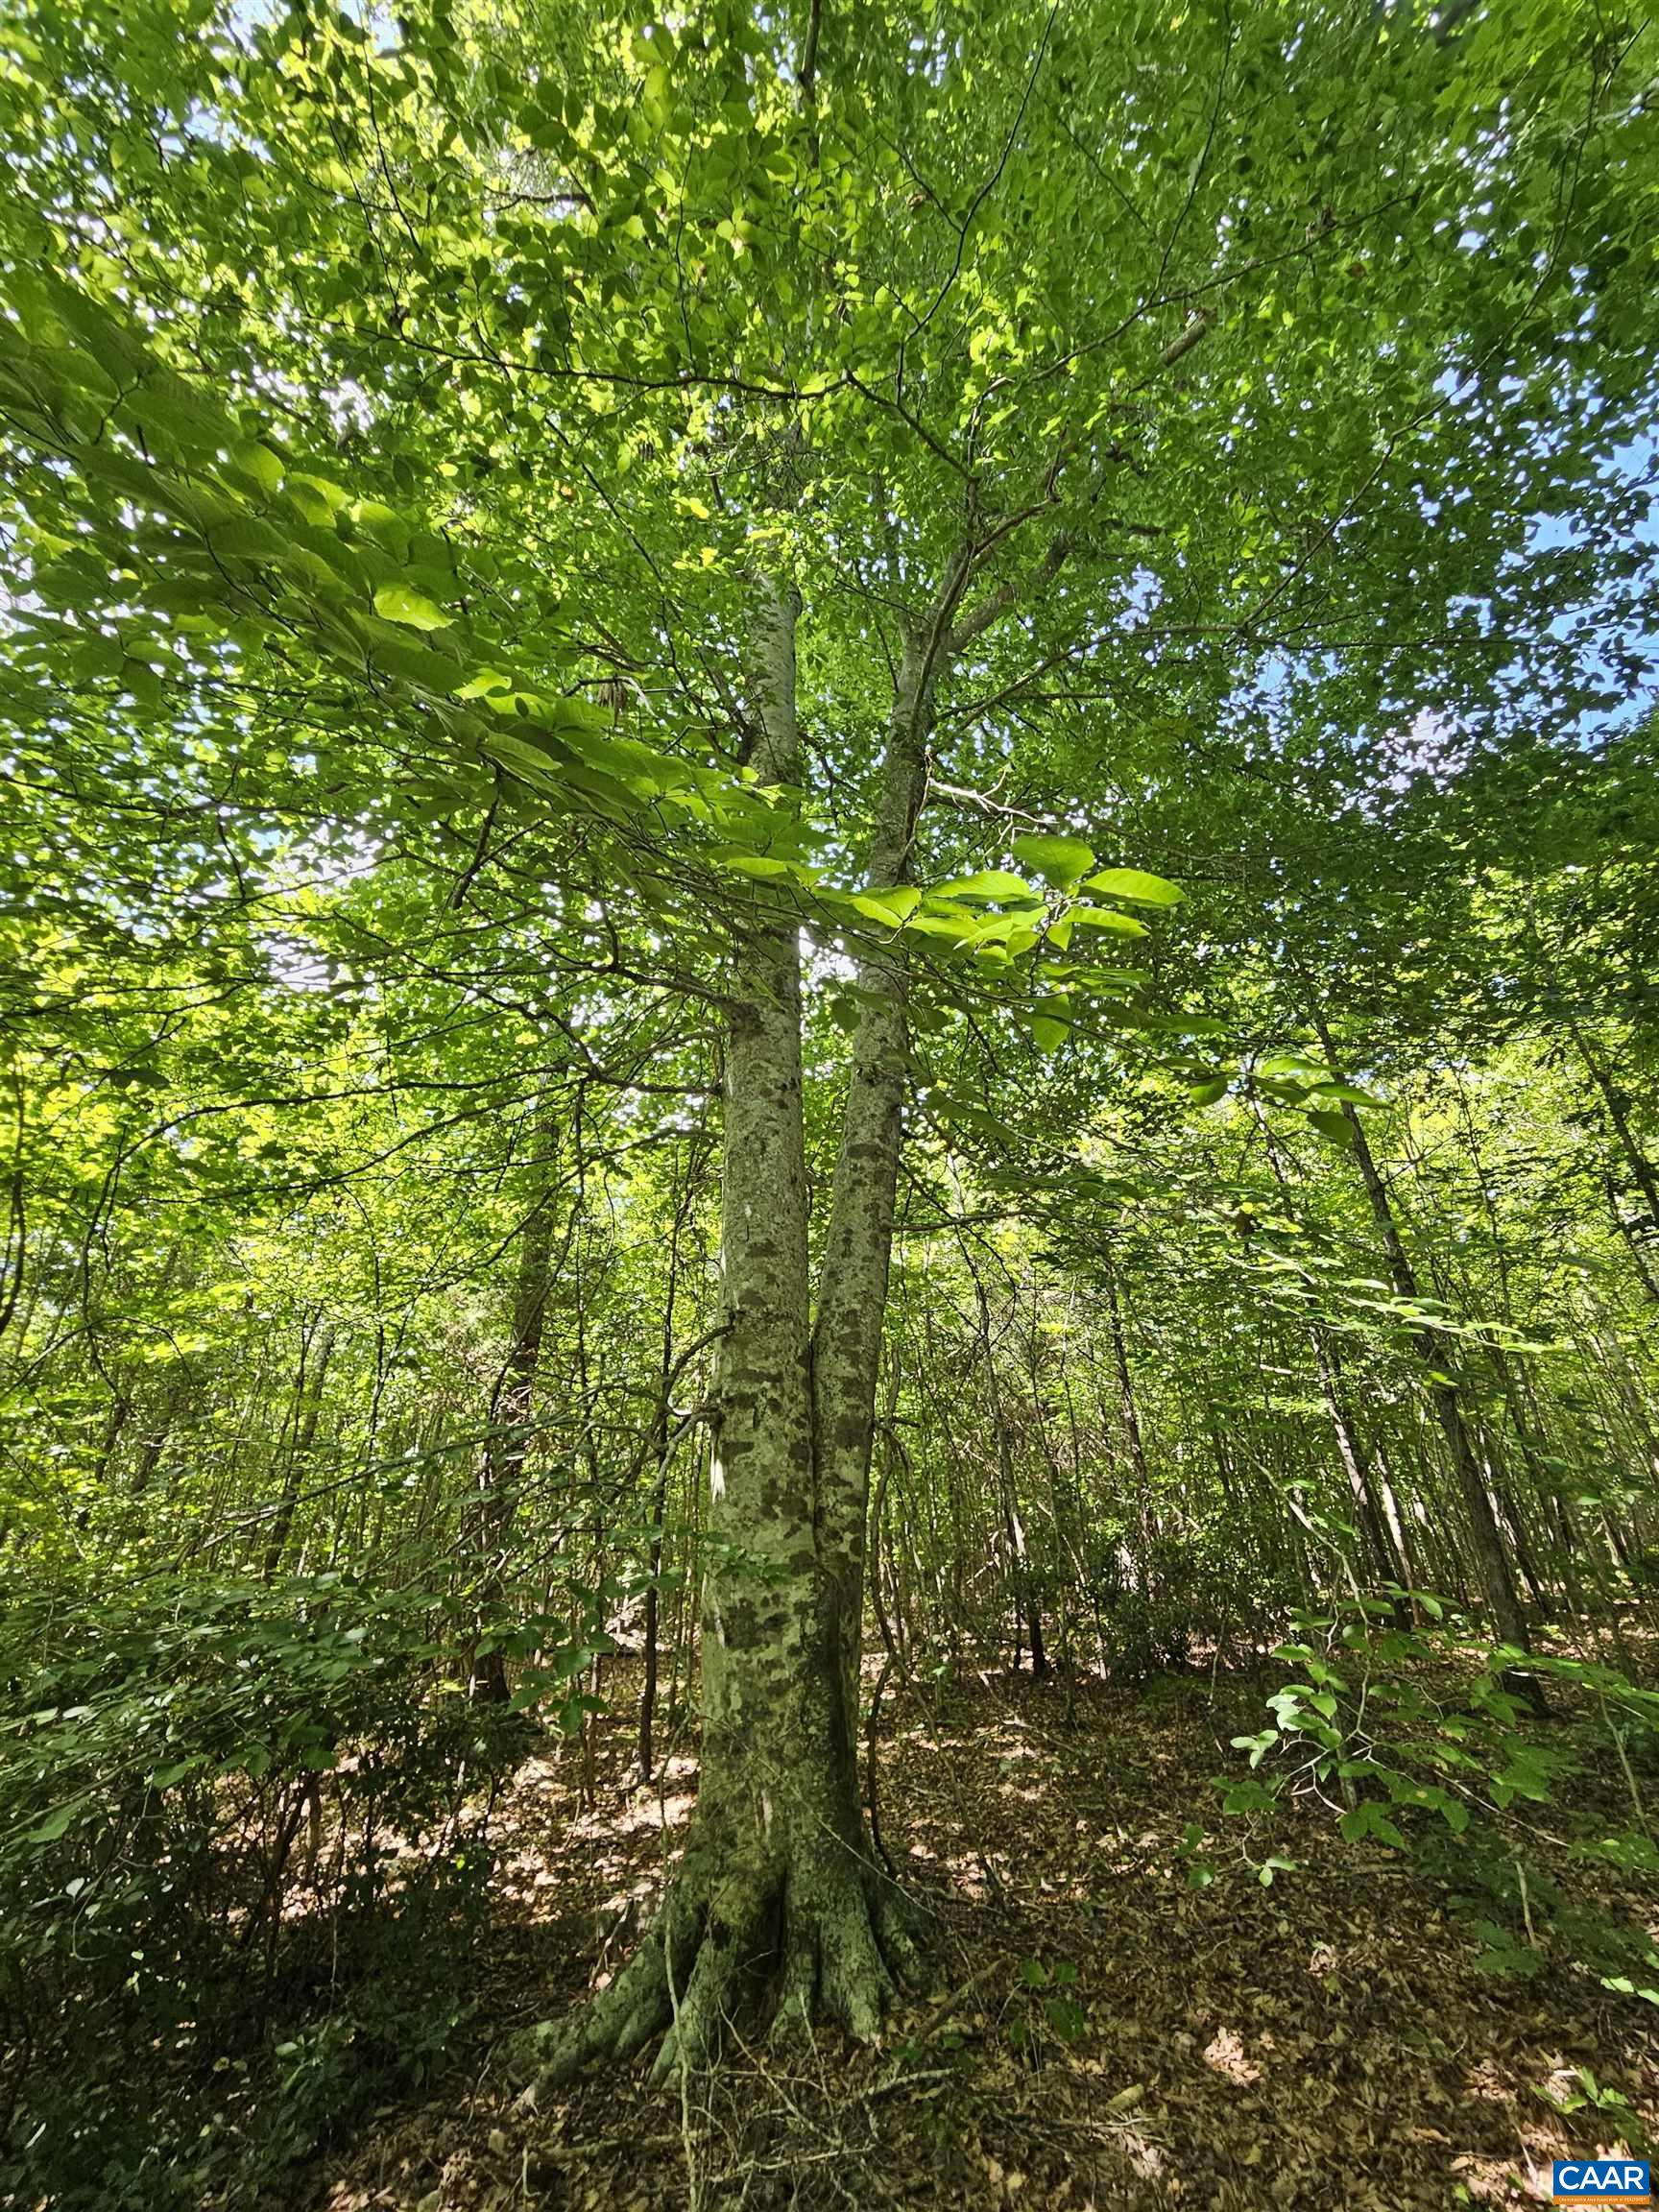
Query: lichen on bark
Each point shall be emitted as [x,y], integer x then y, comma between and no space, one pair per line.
[777,1896]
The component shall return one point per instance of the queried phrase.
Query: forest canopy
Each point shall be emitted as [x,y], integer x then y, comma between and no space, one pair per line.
[828,924]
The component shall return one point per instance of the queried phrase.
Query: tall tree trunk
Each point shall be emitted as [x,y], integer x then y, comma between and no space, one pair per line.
[1350,1451]
[1356,1468]
[1627,1229]
[776,1875]
[1027,1612]
[684,1200]
[1130,1414]
[156,1434]
[846,1350]
[120,1409]
[1027,1618]
[1398,1536]
[1643,1173]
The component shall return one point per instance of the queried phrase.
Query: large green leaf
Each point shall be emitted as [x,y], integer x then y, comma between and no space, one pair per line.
[1058,860]
[399,603]
[999,884]
[1135,885]
[1106,918]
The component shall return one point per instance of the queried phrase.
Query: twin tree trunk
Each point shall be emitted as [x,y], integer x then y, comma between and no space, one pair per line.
[778,1883]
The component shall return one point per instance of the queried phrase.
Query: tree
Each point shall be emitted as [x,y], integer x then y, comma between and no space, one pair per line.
[656,493]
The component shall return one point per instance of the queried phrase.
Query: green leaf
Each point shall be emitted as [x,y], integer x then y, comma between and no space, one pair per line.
[319,495]
[259,463]
[1058,860]
[1207,1093]
[1290,1067]
[1258,1746]
[954,926]
[1137,886]
[536,768]
[893,907]
[999,884]
[1103,918]
[1249,1796]
[761,867]
[246,539]
[1333,1126]
[398,603]
[165,1777]
[1369,1819]
[1346,1093]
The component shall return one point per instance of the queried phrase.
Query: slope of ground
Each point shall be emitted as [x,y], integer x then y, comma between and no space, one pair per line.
[1100,2034]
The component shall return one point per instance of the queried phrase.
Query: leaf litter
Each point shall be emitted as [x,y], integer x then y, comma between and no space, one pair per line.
[1101,2032]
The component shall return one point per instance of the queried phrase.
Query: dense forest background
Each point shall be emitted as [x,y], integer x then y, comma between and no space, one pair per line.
[831,948]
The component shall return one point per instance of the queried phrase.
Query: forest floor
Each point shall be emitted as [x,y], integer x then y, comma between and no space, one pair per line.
[1101,2032]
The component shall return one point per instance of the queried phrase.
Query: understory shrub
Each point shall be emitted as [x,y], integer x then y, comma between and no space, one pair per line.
[244,1836]
[1423,1739]
[1195,1596]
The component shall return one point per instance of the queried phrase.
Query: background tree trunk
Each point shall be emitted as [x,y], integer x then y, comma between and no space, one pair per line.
[314,1353]
[1486,1539]
[512,1411]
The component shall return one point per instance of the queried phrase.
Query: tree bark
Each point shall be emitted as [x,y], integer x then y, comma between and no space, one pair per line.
[512,1408]
[777,1881]
[1129,1412]
[660,1448]
[846,1346]
[1356,1469]
[1368,1519]
[1642,1169]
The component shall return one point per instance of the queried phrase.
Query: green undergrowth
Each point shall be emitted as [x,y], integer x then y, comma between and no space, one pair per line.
[1524,1784]
[245,1843]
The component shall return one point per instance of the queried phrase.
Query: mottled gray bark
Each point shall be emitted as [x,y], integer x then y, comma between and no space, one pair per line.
[853,1284]
[777,1880]
[778,1795]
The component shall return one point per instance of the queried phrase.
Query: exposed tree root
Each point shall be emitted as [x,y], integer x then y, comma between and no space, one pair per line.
[815,1934]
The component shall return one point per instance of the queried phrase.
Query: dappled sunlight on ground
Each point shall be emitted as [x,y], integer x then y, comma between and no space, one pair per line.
[1099,2032]
[1225,2053]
